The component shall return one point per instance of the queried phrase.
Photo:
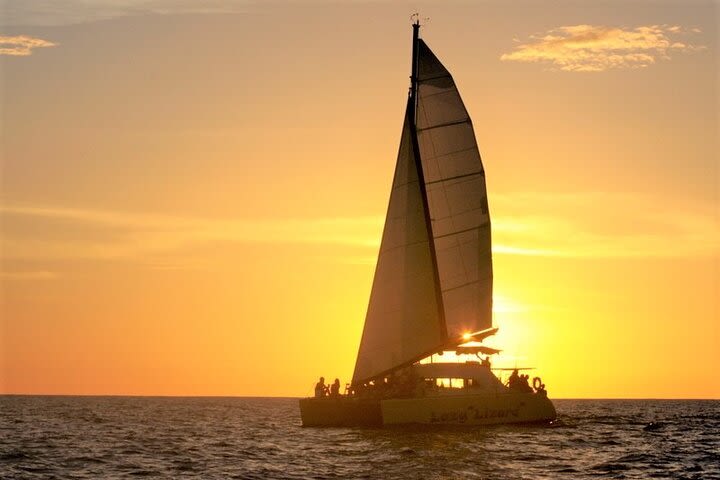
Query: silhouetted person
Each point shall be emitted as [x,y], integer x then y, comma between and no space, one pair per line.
[335,388]
[320,388]
[514,379]
[525,384]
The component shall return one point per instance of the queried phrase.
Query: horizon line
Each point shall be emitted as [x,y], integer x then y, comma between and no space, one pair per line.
[299,397]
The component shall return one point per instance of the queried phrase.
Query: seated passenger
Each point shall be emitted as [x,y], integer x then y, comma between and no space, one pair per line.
[320,388]
[335,388]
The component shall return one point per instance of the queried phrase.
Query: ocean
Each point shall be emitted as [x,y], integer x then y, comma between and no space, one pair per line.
[256,438]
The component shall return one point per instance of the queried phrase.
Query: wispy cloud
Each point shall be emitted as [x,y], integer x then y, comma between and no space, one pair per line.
[602,225]
[595,48]
[22,45]
[145,235]
[582,225]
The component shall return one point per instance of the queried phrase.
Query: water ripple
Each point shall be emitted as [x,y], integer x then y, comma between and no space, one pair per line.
[93,437]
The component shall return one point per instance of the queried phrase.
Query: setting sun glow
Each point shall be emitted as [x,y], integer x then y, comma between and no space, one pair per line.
[192,204]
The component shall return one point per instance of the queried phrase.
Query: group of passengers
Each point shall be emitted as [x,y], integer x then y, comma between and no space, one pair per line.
[401,383]
[398,384]
[519,382]
[322,390]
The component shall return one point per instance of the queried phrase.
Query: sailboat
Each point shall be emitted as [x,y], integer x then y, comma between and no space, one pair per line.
[433,287]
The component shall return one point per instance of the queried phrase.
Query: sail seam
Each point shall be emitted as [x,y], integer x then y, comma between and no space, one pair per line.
[444,75]
[449,124]
[402,185]
[440,156]
[461,286]
[456,233]
[456,177]
[444,92]
[452,214]
[390,249]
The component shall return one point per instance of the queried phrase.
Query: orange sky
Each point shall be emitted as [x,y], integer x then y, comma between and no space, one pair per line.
[192,200]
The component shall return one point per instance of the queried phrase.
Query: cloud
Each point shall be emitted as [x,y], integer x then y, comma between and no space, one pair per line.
[121,235]
[603,225]
[590,48]
[540,224]
[22,45]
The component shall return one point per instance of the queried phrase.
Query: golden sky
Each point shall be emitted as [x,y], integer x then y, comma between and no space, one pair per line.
[192,198]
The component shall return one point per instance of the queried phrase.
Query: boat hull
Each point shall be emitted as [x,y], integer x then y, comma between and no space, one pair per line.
[469,409]
[450,409]
[340,412]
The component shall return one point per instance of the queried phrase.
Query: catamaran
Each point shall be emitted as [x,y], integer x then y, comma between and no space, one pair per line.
[433,286]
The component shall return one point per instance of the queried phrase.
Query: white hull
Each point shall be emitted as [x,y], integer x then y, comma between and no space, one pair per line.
[482,408]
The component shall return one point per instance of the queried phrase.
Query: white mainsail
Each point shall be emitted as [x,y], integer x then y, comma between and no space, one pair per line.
[457,198]
[433,282]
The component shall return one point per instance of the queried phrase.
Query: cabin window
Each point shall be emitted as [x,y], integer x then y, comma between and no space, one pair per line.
[450,382]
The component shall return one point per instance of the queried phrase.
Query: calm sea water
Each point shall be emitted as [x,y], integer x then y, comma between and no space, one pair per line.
[110,437]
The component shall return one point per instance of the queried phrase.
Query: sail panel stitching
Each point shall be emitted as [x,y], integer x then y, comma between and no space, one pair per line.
[456,177]
[427,79]
[456,233]
[453,152]
[390,249]
[448,124]
[461,286]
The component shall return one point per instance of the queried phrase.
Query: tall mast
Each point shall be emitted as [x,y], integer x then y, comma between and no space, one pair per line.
[421,176]
[414,71]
